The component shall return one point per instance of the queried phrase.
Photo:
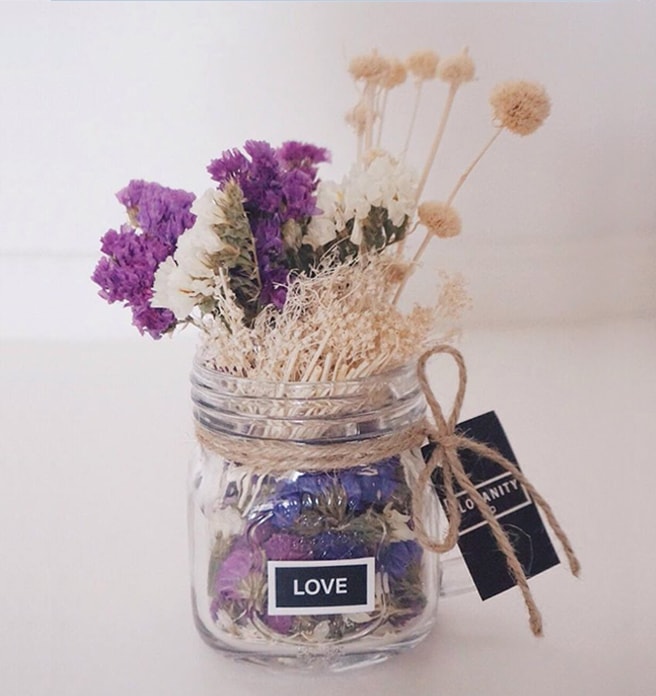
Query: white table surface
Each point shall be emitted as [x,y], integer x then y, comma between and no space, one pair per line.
[94,591]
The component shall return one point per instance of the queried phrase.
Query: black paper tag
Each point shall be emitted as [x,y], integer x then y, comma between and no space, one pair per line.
[321,587]
[511,504]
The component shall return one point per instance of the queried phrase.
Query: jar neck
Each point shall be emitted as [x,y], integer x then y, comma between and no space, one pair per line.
[319,412]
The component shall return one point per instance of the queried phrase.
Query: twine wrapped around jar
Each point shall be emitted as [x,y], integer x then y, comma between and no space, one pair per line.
[281,455]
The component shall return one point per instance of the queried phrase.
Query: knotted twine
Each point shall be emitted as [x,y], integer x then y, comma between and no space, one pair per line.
[280,456]
[445,455]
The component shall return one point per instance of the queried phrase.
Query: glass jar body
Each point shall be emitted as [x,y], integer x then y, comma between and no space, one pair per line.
[318,565]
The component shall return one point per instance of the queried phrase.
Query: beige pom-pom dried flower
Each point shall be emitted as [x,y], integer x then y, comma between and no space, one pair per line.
[423,64]
[439,218]
[371,67]
[456,69]
[357,117]
[520,106]
[396,74]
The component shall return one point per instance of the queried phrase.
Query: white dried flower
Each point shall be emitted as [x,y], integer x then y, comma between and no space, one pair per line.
[440,219]
[226,521]
[520,106]
[187,277]
[173,289]
[398,524]
[325,225]
[382,182]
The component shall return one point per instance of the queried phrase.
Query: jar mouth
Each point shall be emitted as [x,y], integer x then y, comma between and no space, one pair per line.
[264,387]
[306,411]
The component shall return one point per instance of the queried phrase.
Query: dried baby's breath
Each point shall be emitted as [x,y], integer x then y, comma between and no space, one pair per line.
[439,218]
[520,106]
[454,299]
[339,324]
[423,64]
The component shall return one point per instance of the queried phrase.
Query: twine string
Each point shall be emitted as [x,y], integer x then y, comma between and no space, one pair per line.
[445,455]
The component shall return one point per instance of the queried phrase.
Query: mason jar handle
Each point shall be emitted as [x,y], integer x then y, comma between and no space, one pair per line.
[455,577]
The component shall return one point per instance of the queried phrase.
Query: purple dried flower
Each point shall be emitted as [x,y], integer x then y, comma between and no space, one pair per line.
[279,624]
[298,196]
[159,211]
[371,485]
[315,484]
[278,186]
[286,509]
[232,164]
[292,498]
[295,155]
[287,547]
[260,530]
[333,545]
[397,558]
[235,568]
[155,321]
[351,484]
[126,272]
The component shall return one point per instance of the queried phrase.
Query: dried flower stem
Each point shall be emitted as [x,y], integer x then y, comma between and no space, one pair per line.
[422,247]
[415,259]
[400,246]
[453,88]
[369,96]
[413,118]
[469,169]
[383,106]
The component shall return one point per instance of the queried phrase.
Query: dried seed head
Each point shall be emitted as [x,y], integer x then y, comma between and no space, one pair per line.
[456,69]
[520,106]
[357,117]
[423,64]
[369,67]
[397,271]
[396,74]
[439,218]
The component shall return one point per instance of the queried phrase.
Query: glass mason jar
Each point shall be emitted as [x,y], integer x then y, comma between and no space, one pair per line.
[303,550]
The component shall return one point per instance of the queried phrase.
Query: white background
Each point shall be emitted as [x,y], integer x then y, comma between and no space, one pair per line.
[559,247]
[558,225]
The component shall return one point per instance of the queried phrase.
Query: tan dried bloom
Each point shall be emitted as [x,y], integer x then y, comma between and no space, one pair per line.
[440,219]
[357,117]
[369,67]
[520,106]
[423,64]
[397,271]
[456,69]
[396,74]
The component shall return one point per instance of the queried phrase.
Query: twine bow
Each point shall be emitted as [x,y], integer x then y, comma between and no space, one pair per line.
[445,455]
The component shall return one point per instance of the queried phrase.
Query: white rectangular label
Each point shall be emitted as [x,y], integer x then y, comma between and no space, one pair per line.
[321,587]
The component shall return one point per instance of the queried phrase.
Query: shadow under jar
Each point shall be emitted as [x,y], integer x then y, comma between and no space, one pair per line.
[303,554]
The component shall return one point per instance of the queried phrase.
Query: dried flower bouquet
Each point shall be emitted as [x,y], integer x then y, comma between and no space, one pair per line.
[293,279]
[273,252]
